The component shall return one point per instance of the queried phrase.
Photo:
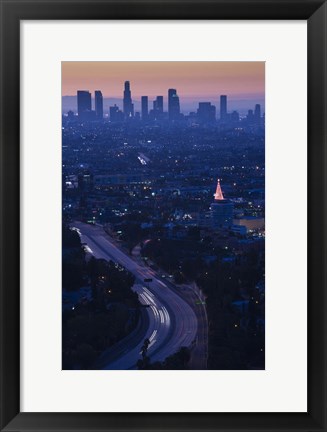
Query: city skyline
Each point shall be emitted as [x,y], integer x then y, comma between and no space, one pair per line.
[196,82]
[205,113]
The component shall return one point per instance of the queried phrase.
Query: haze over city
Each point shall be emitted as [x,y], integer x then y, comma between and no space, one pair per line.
[196,82]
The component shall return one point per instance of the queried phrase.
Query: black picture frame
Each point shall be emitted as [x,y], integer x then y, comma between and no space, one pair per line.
[12,12]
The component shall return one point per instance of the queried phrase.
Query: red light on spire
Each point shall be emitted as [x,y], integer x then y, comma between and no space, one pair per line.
[219,194]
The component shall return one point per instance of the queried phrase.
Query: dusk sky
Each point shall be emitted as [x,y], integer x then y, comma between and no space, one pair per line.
[243,82]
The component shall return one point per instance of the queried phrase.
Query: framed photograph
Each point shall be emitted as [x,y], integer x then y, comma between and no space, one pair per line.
[163,215]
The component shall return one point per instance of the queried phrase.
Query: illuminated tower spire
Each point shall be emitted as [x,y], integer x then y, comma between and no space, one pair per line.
[218,195]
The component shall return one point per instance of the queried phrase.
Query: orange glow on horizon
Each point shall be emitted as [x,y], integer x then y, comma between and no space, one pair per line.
[192,80]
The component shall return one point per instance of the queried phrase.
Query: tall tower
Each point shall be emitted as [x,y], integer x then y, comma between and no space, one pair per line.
[173,105]
[222,210]
[158,108]
[160,104]
[257,113]
[84,104]
[145,107]
[128,105]
[99,104]
[223,107]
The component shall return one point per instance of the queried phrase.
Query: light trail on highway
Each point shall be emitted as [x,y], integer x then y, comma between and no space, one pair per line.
[172,322]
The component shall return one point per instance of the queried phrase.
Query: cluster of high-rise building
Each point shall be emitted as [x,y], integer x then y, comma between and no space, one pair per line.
[206,112]
[84,105]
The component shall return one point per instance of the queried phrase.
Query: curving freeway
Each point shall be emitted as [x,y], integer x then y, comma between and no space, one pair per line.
[172,322]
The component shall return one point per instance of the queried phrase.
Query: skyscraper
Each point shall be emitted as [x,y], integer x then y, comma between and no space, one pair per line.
[250,117]
[98,104]
[128,105]
[221,210]
[145,108]
[159,105]
[206,112]
[115,114]
[157,111]
[84,104]
[173,105]
[234,117]
[223,107]
[257,114]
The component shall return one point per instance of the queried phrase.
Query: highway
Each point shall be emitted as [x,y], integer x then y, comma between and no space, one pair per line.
[172,322]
